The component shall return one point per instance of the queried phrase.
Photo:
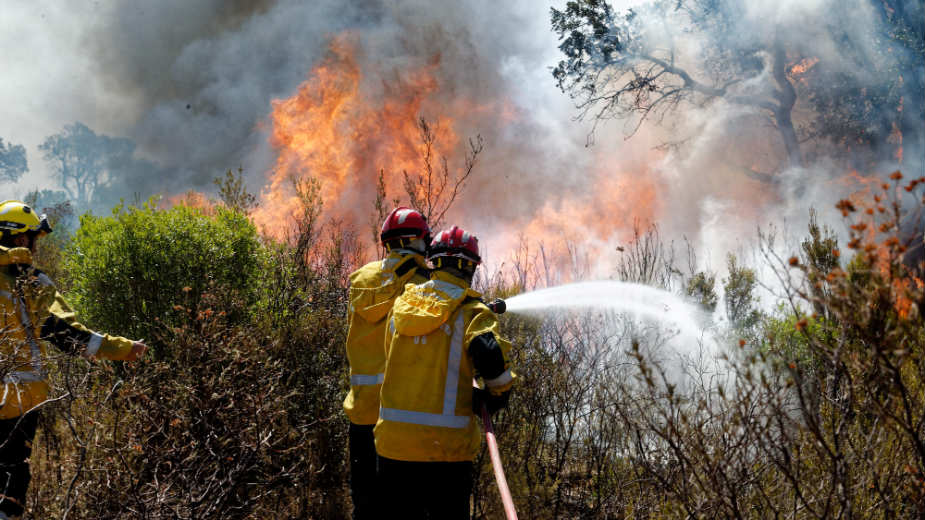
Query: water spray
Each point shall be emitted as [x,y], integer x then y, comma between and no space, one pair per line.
[634,299]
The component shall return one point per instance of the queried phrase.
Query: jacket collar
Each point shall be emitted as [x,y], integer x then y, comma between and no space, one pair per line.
[444,276]
[398,256]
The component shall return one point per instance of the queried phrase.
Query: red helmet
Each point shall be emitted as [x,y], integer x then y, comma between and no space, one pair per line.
[457,243]
[404,222]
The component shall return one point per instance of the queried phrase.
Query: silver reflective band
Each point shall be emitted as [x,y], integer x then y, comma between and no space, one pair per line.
[93,346]
[389,263]
[452,290]
[23,377]
[30,335]
[361,380]
[501,380]
[387,278]
[424,418]
[452,366]
[447,419]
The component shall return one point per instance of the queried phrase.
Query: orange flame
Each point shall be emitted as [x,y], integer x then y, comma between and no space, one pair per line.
[190,199]
[572,234]
[802,66]
[614,204]
[343,127]
[334,132]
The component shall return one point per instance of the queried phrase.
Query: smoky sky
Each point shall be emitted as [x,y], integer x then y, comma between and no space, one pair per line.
[197,79]
[201,76]
[191,83]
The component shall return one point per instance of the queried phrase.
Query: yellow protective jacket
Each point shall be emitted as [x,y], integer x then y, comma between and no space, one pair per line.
[373,289]
[439,339]
[33,312]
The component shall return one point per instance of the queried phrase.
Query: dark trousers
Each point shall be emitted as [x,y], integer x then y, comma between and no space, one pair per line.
[363,487]
[425,490]
[16,437]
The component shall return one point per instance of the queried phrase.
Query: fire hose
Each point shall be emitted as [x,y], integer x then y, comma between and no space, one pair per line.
[497,306]
[506,499]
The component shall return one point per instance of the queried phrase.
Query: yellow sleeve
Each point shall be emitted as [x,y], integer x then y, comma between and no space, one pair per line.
[61,328]
[490,352]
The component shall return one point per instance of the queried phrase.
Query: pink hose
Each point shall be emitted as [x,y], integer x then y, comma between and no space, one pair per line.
[506,499]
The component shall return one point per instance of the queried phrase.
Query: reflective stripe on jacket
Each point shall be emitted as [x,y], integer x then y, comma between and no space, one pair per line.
[426,398]
[373,289]
[33,312]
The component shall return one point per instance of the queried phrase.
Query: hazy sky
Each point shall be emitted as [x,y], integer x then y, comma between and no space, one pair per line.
[191,82]
[127,68]
[49,78]
[122,70]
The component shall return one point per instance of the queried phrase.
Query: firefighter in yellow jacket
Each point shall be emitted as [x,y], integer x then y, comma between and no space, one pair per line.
[440,338]
[373,288]
[33,313]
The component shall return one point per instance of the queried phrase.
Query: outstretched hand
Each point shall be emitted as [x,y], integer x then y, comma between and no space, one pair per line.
[138,350]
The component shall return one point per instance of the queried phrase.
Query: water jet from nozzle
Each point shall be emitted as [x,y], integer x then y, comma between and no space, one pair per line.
[638,300]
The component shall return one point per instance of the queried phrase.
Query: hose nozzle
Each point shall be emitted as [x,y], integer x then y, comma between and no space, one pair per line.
[497,306]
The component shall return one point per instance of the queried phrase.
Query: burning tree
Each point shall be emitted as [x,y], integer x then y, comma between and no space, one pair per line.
[878,112]
[616,69]
[652,61]
[342,144]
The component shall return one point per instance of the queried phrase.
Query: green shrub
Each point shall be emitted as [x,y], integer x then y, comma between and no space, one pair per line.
[790,337]
[239,415]
[127,271]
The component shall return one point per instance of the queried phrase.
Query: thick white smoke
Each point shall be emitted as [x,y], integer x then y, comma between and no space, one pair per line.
[191,84]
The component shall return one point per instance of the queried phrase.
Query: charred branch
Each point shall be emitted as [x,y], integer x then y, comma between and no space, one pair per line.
[434,191]
[614,70]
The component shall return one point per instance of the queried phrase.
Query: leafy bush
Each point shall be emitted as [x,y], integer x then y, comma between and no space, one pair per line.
[239,416]
[129,269]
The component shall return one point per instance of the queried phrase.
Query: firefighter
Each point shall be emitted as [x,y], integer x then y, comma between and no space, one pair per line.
[373,288]
[33,313]
[440,338]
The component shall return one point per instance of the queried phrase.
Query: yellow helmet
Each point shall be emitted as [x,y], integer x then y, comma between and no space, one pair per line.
[16,217]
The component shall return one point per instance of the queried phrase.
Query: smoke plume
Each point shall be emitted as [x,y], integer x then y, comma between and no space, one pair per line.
[200,85]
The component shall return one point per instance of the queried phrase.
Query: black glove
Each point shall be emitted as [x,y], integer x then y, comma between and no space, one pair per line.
[498,306]
[492,402]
